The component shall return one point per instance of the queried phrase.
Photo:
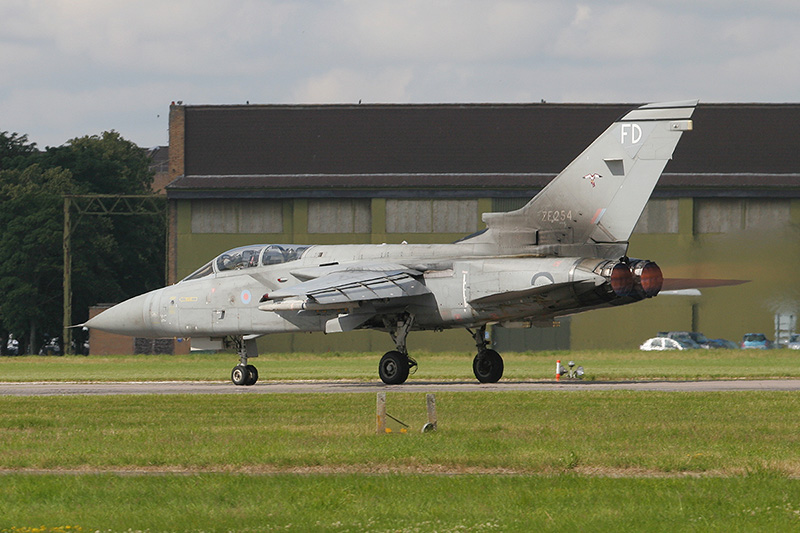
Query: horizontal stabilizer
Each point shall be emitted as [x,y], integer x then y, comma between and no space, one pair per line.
[679,284]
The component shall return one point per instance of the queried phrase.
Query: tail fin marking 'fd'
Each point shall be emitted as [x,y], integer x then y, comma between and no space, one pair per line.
[599,197]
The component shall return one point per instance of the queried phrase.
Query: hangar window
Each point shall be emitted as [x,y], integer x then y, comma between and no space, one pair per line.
[767,213]
[260,216]
[426,216]
[237,216]
[659,216]
[339,216]
[455,216]
[731,215]
[214,216]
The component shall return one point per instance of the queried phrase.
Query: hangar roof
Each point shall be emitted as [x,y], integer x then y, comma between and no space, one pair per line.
[465,149]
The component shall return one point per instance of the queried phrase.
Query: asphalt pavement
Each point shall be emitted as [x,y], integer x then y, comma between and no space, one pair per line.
[328,387]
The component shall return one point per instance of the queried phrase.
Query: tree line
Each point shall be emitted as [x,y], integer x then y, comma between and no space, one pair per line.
[113,258]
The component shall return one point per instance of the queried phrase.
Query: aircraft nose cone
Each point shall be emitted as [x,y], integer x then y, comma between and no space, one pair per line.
[126,318]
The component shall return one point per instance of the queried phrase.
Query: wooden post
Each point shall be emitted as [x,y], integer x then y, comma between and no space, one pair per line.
[381,417]
[431,425]
[66,318]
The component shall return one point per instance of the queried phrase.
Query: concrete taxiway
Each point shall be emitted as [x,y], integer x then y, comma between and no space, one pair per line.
[327,387]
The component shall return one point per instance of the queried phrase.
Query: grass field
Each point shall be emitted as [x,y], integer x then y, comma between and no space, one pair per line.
[601,365]
[511,461]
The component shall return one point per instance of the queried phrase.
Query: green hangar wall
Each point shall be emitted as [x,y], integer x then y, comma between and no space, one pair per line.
[727,206]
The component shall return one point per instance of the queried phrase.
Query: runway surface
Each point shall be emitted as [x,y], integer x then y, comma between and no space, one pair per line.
[327,387]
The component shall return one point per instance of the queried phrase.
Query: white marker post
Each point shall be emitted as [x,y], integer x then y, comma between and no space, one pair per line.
[431,425]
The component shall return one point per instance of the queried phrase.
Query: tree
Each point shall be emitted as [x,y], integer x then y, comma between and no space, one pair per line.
[15,151]
[103,164]
[30,248]
[113,257]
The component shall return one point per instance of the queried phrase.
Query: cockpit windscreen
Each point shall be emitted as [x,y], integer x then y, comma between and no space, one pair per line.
[250,256]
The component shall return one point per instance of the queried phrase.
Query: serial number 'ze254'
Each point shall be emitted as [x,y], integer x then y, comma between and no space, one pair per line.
[556,215]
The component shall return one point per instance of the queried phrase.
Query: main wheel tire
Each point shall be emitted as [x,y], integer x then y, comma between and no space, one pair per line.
[253,371]
[393,368]
[240,375]
[488,366]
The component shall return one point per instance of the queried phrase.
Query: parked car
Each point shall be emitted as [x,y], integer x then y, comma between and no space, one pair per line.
[724,344]
[794,342]
[689,339]
[662,343]
[756,341]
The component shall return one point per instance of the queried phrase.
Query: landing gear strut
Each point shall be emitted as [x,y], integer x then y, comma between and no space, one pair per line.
[487,365]
[244,373]
[396,364]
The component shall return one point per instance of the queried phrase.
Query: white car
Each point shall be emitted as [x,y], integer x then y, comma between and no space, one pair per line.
[794,342]
[661,343]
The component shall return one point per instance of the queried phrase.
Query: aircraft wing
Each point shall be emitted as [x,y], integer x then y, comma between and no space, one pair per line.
[348,291]
[510,297]
[348,288]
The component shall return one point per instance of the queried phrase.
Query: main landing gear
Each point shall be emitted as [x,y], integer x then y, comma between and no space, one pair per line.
[487,365]
[396,365]
[244,373]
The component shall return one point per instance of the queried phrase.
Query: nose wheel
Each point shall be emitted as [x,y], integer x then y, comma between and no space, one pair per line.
[245,374]
[396,364]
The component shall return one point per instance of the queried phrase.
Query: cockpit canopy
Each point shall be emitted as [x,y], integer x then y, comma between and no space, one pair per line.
[250,256]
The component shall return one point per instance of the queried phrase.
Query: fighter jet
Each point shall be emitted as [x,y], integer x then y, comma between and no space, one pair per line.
[563,253]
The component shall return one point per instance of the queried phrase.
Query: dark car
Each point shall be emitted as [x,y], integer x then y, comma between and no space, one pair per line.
[723,344]
[690,339]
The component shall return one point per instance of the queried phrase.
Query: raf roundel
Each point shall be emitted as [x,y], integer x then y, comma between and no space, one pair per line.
[246,297]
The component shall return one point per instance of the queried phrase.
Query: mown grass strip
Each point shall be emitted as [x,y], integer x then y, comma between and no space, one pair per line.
[543,432]
[220,502]
[601,365]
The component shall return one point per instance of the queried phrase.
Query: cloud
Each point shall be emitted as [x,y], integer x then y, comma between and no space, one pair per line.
[345,85]
[452,31]
[75,67]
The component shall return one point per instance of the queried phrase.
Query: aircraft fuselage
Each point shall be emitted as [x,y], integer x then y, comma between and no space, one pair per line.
[456,276]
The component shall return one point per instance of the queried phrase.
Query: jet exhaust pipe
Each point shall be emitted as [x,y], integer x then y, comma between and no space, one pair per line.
[647,278]
[618,280]
[628,280]
[618,275]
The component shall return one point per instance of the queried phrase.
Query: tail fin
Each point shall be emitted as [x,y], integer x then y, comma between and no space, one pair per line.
[599,197]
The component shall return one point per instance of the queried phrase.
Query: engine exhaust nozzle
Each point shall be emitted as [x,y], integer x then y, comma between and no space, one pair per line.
[647,277]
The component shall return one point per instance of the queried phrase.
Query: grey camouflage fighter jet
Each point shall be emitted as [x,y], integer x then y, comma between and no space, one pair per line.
[563,253]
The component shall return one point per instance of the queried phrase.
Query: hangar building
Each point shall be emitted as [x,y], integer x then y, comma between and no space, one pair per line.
[727,206]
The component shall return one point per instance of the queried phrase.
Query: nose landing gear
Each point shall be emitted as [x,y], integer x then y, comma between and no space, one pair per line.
[244,373]
[396,365]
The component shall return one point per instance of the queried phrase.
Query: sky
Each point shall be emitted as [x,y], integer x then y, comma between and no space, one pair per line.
[70,68]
